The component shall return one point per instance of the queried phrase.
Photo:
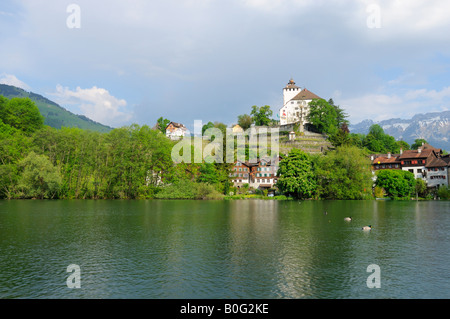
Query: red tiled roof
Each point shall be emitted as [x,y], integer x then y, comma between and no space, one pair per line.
[415,154]
[385,160]
[306,95]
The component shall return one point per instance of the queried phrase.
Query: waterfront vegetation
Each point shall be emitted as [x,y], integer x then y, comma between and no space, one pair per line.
[134,162]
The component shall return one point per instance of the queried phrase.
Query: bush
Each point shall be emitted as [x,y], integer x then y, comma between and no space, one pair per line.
[443,192]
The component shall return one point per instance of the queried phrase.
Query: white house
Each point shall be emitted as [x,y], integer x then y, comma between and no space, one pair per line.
[175,131]
[295,104]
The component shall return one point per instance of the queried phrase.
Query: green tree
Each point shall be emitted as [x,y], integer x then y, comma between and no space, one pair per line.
[39,179]
[21,113]
[421,187]
[380,142]
[162,124]
[344,174]
[245,121]
[403,145]
[261,115]
[397,183]
[418,143]
[208,173]
[341,116]
[295,175]
[207,126]
[342,136]
[323,116]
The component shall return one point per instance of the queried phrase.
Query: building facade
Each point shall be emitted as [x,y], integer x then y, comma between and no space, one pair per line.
[259,175]
[426,163]
[175,131]
[295,105]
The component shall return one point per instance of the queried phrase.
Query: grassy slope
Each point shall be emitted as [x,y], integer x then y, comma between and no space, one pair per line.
[55,115]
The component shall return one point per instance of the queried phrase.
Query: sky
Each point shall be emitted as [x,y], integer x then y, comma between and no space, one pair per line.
[124,62]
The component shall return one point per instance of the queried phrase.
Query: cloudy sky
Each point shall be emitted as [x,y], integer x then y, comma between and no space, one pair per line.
[123,62]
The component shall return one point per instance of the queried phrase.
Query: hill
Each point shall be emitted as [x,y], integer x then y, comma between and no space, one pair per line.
[433,127]
[55,115]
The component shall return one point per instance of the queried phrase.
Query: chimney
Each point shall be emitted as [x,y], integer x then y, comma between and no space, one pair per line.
[419,150]
[371,158]
[389,155]
[401,151]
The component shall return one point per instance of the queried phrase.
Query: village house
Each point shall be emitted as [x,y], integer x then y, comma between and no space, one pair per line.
[436,173]
[425,163]
[237,129]
[295,105]
[259,175]
[415,160]
[175,131]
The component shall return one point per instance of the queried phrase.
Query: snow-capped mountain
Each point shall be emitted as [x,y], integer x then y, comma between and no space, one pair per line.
[433,127]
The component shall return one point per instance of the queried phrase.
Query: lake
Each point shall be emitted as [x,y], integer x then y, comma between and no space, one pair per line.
[261,249]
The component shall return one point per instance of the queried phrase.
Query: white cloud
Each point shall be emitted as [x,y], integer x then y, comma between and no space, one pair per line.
[95,103]
[10,79]
[381,106]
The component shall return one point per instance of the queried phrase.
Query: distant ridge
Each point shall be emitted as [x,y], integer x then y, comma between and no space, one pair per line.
[55,115]
[433,127]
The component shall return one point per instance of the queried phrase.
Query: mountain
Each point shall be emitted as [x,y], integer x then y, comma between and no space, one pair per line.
[433,127]
[55,115]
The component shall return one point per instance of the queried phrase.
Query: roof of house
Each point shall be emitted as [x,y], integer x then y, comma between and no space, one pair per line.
[383,159]
[427,146]
[291,85]
[177,125]
[305,95]
[436,162]
[416,154]
[446,158]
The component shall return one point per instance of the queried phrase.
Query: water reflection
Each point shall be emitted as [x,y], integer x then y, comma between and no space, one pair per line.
[224,249]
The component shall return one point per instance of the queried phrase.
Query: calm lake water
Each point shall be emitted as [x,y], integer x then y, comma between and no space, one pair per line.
[224,249]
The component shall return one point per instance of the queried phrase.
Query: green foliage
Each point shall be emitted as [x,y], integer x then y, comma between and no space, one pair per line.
[421,187]
[39,179]
[55,116]
[207,126]
[323,116]
[397,183]
[443,192]
[186,189]
[162,124]
[245,121]
[344,174]
[418,143]
[208,173]
[379,192]
[261,115]
[296,176]
[21,113]
[379,142]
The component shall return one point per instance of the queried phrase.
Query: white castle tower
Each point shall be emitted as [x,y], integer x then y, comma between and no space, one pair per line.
[290,91]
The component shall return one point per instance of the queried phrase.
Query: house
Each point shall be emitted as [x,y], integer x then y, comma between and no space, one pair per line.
[237,129]
[241,174]
[426,163]
[295,105]
[175,131]
[415,161]
[259,175]
[386,161]
[436,173]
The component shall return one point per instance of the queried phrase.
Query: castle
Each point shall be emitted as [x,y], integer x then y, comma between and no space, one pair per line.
[295,105]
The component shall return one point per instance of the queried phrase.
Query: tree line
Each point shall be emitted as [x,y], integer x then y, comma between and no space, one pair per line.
[37,161]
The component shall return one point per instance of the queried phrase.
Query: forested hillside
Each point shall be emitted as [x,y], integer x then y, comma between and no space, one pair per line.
[55,115]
